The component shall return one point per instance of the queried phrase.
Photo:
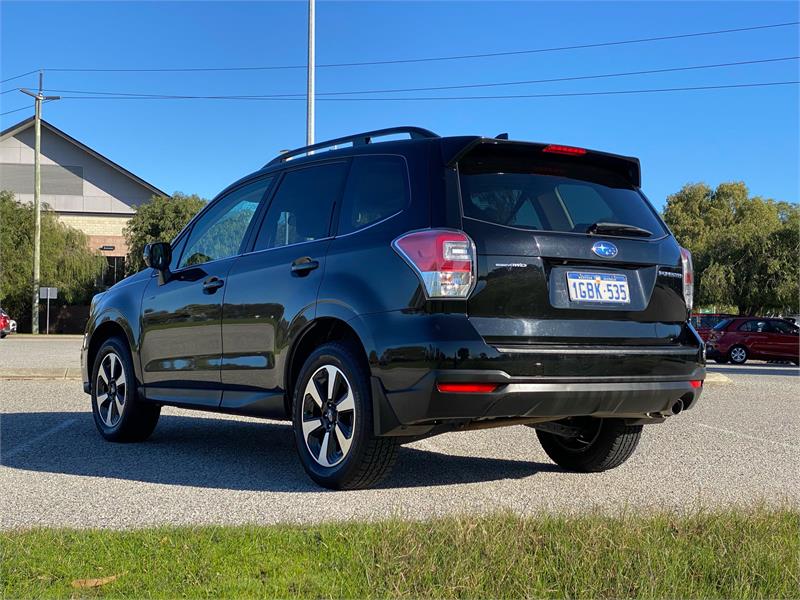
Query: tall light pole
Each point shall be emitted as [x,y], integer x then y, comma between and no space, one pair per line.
[37,192]
[310,92]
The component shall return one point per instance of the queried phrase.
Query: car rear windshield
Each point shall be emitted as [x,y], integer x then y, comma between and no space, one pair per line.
[556,198]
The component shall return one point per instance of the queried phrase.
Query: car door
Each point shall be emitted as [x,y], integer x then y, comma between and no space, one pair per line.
[755,337]
[181,346]
[272,290]
[784,340]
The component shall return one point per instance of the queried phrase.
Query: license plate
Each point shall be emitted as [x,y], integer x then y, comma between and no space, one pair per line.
[598,287]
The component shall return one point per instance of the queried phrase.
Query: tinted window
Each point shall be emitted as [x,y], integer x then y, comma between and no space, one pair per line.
[722,324]
[755,326]
[554,202]
[301,209]
[376,188]
[783,327]
[220,231]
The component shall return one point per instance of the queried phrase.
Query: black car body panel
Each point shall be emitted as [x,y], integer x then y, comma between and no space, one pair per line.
[227,334]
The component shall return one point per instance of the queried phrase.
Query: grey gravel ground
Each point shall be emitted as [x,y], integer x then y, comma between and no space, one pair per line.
[739,446]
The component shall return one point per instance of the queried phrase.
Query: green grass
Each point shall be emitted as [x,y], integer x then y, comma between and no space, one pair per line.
[730,554]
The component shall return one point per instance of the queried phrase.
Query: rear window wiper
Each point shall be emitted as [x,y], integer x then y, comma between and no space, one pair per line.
[617,228]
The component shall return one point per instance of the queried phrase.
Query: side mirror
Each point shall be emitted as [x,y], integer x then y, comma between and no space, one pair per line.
[158,255]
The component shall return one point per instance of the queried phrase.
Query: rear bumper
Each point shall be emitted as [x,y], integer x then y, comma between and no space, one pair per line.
[547,382]
[423,407]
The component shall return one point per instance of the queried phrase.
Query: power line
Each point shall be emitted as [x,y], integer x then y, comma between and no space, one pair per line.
[434,58]
[447,87]
[422,98]
[18,76]
[8,112]
[9,90]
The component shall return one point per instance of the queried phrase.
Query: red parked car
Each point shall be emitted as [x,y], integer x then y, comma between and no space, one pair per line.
[741,338]
[5,324]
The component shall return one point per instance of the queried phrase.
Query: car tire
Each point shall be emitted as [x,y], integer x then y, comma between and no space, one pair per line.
[738,355]
[333,422]
[602,445]
[3,335]
[119,414]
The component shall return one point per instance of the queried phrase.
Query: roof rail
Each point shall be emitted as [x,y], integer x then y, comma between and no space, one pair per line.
[358,139]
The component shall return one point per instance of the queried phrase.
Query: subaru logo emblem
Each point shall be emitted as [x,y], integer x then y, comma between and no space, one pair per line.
[604,249]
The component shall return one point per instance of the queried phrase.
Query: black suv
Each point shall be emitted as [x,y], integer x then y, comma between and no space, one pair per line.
[378,292]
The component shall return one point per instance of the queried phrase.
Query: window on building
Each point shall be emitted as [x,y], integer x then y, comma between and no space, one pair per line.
[114,270]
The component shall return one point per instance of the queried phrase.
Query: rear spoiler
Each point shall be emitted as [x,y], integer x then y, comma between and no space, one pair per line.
[456,148]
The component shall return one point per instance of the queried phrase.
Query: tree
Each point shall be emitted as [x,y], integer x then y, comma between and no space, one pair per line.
[158,220]
[745,248]
[66,260]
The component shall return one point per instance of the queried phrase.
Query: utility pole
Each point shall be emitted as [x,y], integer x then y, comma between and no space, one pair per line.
[310,92]
[37,192]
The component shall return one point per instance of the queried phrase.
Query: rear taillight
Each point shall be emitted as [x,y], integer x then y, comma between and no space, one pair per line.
[688,278]
[443,259]
[568,150]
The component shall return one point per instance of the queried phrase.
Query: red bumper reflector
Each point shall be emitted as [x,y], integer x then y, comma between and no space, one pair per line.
[569,150]
[467,388]
[696,383]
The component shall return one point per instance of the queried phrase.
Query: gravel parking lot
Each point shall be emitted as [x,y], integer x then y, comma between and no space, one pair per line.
[739,446]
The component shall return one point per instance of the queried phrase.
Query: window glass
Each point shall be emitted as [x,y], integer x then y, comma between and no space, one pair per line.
[219,233]
[783,327]
[722,324]
[755,326]
[377,187]
[301,209]
[553,203]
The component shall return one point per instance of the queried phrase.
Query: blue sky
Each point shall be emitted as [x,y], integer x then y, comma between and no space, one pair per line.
[202,145]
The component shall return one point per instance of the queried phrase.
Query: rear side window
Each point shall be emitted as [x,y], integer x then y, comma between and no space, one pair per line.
[544,202]
[377,188]
[302,207]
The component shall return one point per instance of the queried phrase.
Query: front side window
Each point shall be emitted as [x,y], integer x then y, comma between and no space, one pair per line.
[302,207]
[755,327]
[220,231]
[722,324]
[377,188]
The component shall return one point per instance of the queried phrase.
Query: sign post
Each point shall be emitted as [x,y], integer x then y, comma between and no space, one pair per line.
[48,293]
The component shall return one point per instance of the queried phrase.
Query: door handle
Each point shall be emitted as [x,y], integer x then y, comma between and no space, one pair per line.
[303,266]
[212,284]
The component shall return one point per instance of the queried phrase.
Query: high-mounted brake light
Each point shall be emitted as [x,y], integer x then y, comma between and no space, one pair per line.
[569,150]
[688,278]
[467,388]
[443,259]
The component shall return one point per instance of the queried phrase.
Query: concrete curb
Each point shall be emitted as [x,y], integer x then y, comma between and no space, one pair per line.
[717,378]
[71,373]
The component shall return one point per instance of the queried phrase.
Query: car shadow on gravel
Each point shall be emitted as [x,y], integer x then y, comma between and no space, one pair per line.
[214,453]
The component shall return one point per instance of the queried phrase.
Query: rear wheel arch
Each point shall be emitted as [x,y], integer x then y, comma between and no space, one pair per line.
[321,331]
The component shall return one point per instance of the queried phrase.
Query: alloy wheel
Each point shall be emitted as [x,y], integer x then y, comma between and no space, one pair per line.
[112,389]
[328,416]
[738,355]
